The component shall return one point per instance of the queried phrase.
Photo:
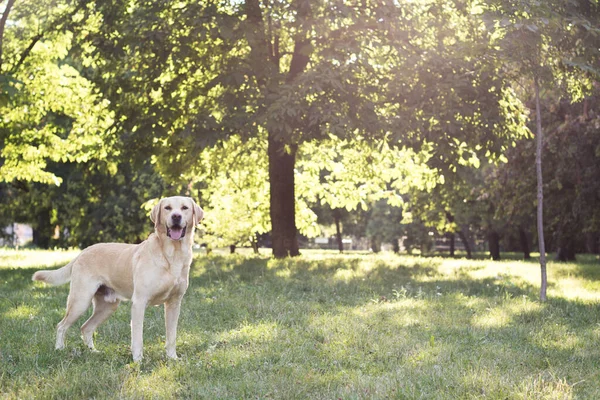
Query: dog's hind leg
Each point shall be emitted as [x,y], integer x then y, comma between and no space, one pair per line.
[105,304]
[80,297]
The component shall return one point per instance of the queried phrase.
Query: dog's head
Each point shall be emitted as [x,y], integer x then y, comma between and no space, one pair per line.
[176,216]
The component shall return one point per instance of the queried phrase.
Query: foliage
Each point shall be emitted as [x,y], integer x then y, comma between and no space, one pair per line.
[236,204]
[48,111]
[94,204]
[349,175]
[194,75]
[570,166]
[390,102]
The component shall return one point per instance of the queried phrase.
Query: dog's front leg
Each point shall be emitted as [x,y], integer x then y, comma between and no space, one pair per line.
[138,308]
[171,318]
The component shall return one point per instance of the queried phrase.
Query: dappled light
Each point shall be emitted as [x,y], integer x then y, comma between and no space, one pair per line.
[400,198]
[322,326]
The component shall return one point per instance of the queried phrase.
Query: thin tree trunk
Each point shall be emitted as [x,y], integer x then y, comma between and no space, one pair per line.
[524,243]
[396,245]
[494,244]
[540,191]
[461,235]
[375,245]
[254,243]
[232,249]
[42,230]
[452,248]
[591,242]
[463,238]
[338,230]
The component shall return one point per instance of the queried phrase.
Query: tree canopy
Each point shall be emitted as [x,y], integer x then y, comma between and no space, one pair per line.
[273,111]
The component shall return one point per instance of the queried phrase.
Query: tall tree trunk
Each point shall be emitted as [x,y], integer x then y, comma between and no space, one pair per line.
[232,249]
[540,191]
[591,242]
[396,245]
[565,253]
[494,244]
[566,246]
[465,241]
[452,249]
[375,244]
[266,57]
[254,243]
[282,200]
[461,235]
[524,243]
[42,230]
[338,230]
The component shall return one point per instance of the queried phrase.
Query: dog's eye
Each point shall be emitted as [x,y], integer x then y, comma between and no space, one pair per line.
[184,207]
[168,208]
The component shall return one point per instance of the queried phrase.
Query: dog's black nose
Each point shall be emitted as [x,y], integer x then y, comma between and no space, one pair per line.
[176,218]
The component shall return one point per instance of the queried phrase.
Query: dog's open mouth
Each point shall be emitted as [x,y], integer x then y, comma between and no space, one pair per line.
[176,232]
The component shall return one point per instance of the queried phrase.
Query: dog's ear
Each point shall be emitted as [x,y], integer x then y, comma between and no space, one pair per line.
[197,212]
[155,214]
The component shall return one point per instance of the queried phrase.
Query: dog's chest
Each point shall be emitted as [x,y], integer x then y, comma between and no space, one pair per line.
[174,280]
[179,264]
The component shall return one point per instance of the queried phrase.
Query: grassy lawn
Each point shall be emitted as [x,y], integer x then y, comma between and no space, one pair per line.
[322,326]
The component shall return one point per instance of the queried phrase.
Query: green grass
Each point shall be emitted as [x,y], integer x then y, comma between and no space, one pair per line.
[321,326]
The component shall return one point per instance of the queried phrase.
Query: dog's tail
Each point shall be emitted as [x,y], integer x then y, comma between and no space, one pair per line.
[55,277]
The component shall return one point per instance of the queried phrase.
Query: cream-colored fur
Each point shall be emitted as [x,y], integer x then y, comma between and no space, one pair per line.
[153,272]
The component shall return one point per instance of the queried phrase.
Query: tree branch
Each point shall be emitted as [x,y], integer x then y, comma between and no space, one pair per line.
[54,26]
[2,25]
[302,50]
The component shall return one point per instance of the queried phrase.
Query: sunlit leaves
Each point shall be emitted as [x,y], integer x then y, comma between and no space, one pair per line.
[345,174]
[51,112]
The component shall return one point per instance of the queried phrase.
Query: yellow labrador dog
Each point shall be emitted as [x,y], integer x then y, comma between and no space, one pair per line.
[153,272]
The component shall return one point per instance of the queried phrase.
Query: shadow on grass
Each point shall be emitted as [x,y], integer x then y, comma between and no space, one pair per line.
[360,327]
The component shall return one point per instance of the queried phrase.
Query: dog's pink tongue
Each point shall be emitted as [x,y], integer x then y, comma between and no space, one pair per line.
[176,233]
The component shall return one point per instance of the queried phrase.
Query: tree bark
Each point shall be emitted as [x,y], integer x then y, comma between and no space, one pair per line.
[232,249]
[566,246]
[565,253]
[494,244]
[338,230]
[42,230]
[450,219]
[540,191]
[3,25]
[452,249]
[396,245]
[524,243]
[254,243]
[282,199]
[375,245]
[591,242]
[463,239]
[281,153]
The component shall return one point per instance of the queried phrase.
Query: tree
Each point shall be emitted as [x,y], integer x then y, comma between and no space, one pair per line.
[546,42]
[570,165]
[298,70]
[97,202]
[384,225]
[48,111]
